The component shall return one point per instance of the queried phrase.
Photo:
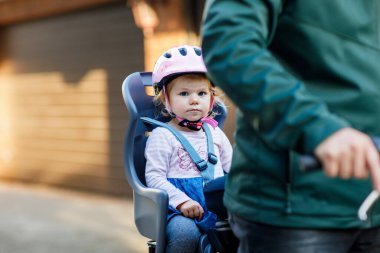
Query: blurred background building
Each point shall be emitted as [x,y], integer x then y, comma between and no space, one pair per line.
[62,63]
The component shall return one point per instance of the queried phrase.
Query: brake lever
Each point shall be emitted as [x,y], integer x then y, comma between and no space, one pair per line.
[367,204]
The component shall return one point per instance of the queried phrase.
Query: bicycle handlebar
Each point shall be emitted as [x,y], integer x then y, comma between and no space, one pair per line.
[311,163]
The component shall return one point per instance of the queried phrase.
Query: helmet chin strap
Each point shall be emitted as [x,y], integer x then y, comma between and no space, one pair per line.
[197,124]
[192,125]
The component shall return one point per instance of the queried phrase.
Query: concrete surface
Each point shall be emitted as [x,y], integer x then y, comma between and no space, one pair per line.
[38,219]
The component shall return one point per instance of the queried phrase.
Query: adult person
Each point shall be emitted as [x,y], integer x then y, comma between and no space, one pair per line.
[305,77]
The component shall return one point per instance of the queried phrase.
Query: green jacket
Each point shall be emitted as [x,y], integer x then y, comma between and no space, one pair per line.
[297,71]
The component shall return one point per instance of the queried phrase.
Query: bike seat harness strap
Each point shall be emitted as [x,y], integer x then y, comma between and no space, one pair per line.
[206,168]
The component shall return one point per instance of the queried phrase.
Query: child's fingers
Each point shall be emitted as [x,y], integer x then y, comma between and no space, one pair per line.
[196,212]
[191,213]
[192,209]
[201,211]
[185,213]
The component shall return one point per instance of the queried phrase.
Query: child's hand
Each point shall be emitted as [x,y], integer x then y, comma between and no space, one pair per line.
[191,209]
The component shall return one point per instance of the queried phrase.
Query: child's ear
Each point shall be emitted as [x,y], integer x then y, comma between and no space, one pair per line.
[162,99]
[166,100]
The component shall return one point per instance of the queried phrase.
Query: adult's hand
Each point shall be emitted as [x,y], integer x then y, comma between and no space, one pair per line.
[349,153]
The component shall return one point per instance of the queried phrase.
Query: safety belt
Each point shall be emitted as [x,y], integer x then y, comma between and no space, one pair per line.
[206,168]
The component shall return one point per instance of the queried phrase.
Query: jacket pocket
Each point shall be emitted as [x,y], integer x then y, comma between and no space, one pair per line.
[316,195]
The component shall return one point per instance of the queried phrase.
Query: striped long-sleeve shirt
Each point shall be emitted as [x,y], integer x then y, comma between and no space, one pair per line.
[166,158]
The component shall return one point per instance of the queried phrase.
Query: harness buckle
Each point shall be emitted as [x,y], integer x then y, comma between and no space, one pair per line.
[212,158]
[201,165]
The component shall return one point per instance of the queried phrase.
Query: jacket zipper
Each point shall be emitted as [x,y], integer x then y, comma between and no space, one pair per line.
[288,180]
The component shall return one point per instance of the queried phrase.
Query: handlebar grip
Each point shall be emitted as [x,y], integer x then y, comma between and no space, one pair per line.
[376,142]
[310,162]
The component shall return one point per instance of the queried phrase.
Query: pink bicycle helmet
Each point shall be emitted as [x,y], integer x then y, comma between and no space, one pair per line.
[176,61]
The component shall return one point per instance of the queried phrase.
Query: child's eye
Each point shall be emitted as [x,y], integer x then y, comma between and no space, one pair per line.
[183,93]
[202,93]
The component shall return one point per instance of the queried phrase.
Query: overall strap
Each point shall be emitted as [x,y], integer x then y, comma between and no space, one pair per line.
[212,159]
[206,168]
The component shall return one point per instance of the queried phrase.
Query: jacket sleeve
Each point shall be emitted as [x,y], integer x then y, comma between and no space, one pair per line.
[235,39]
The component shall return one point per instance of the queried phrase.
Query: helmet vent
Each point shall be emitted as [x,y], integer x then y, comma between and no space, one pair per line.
[198,51]
[167,55]
[183,51]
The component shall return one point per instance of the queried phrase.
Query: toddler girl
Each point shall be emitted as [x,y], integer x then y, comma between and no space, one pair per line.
[187,97]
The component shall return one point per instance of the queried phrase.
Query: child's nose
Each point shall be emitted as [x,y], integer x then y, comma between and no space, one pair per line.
[193,99]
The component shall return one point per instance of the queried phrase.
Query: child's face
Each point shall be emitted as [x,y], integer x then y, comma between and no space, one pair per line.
[190,98]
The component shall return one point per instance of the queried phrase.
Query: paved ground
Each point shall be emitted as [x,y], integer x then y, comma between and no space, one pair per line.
[36,219]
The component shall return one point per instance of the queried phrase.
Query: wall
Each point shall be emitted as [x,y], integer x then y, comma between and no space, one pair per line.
[62,113]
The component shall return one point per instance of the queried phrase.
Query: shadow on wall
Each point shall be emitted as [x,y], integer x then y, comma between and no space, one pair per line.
[66,112]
